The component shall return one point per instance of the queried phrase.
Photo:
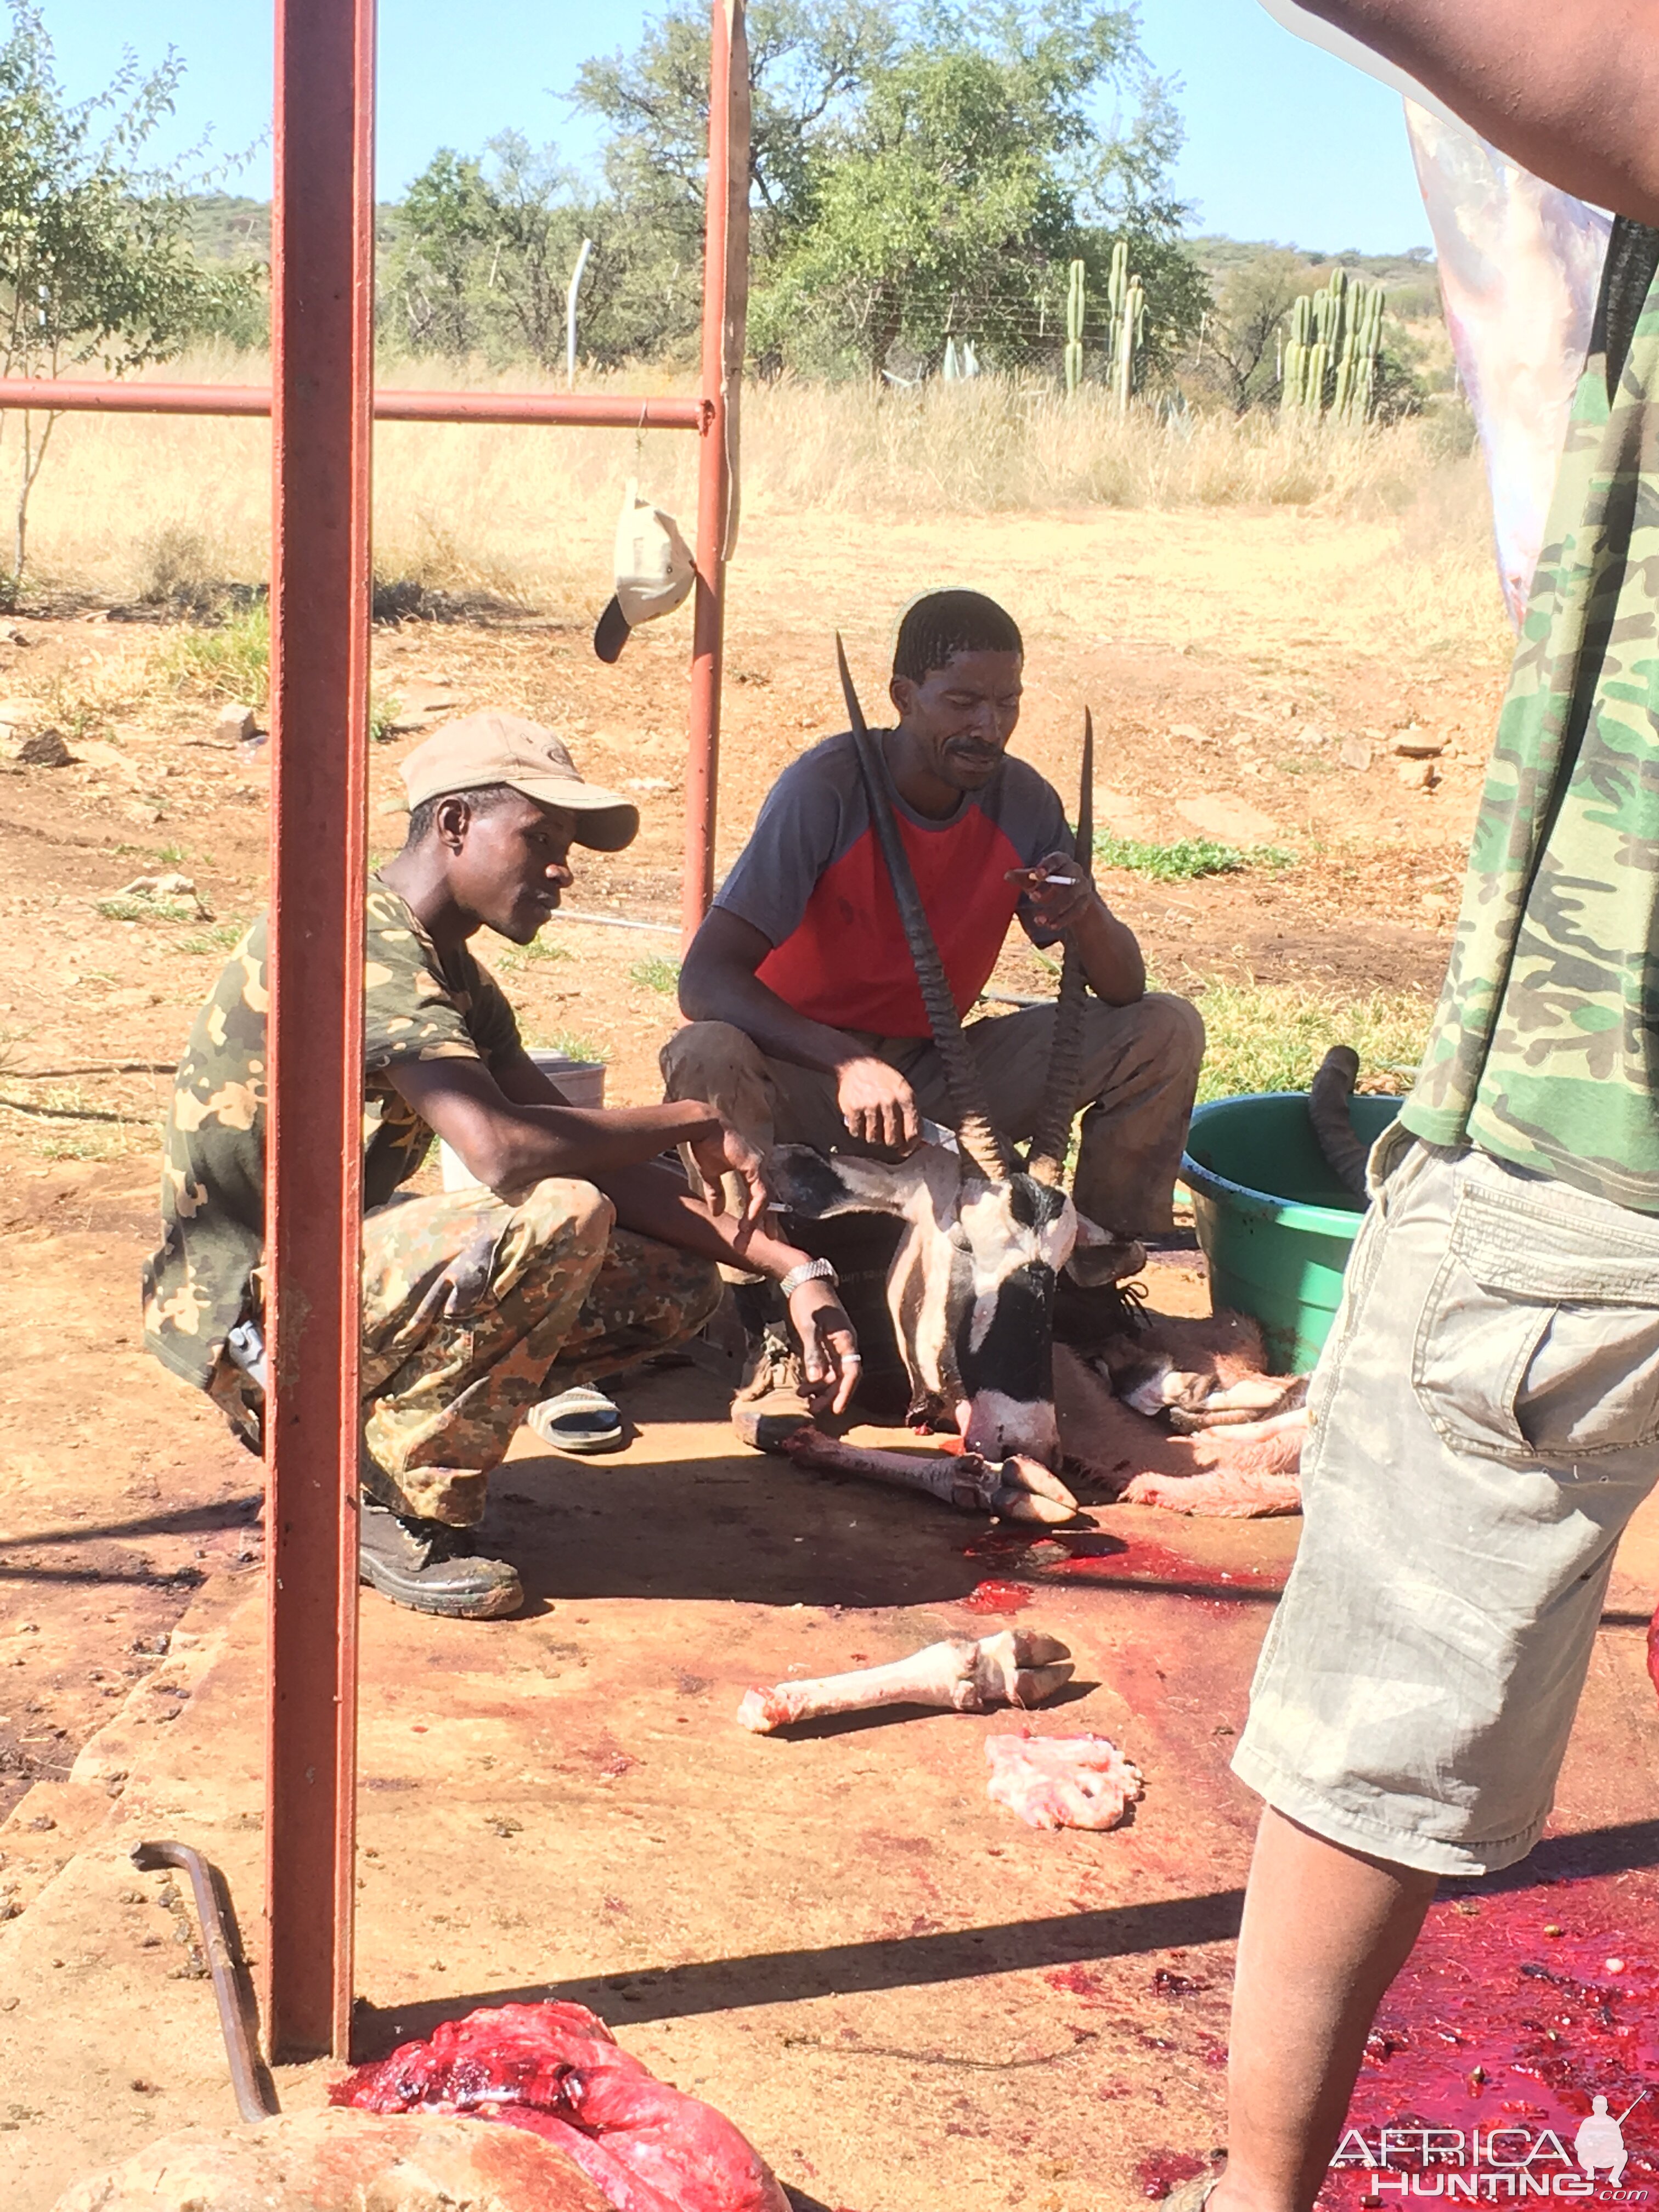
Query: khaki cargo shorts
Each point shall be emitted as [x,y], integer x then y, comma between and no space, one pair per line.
[1485,1419]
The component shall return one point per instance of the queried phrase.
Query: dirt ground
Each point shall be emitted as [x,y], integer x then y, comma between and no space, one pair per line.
[1227,659]
[1247,684]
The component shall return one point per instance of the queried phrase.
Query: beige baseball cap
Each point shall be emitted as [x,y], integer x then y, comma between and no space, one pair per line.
[492,747]
[653,571]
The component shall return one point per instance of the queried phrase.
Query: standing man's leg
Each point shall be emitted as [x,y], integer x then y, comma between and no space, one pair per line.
[1480,1433]
[1325,1932]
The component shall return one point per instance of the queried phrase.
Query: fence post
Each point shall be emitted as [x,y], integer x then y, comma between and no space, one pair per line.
[725,309]
[570,315]
[322,342]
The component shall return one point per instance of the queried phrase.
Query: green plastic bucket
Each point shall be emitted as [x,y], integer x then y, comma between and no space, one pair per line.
[1275,1223]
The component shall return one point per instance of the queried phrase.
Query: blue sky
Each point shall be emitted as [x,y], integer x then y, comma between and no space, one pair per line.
[1283,141]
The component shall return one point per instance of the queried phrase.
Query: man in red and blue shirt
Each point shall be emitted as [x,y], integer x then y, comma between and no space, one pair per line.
[804,1018]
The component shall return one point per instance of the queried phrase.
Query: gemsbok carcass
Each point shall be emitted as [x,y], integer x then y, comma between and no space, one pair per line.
[983,1236]
[983,1233]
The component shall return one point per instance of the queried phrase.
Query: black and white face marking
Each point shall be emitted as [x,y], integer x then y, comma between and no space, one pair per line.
[971,1286]
[1018,1235]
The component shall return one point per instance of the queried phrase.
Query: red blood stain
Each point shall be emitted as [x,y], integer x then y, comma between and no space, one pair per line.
[1653,1650]
[1110,1558]
[997,1544]
[999,1597]
[1089,1557]
[1515,2010]
[1077,1979]
[1161,2170]
[1171,1984]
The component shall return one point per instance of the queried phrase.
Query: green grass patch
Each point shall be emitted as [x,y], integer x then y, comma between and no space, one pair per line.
[511,956]
[1187,859]
[218,937]
[382,714]
[657,974]
[1272,1037]
[230,661]
[134,907]
[565,1041]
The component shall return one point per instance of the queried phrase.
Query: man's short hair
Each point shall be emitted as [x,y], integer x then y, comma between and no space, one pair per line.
[423,819]
[945,624]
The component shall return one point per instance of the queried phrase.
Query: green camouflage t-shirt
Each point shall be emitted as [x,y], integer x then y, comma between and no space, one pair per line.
[1545,1049]
[196,1284]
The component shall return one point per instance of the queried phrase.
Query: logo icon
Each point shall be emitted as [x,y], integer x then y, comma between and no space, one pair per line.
[1600,2141]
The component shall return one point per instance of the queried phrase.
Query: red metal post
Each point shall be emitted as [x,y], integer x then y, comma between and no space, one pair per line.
[725,298]
[322,337]
[322,405]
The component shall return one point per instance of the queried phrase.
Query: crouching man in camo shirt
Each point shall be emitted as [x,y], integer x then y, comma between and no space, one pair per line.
[577,1254]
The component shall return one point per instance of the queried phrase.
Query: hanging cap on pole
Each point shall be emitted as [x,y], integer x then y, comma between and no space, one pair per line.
[479,750]
[654,571]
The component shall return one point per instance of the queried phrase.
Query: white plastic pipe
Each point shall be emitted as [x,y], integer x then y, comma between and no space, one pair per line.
[570,316]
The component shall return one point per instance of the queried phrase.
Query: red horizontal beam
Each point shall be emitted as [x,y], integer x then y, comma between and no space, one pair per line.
[593,410]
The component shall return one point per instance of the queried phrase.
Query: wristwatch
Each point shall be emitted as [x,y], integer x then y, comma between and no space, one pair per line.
[810,1271]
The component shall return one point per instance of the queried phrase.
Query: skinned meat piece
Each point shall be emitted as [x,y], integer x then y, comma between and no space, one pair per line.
[554,2071]
[1061,1781]
[1017,1667]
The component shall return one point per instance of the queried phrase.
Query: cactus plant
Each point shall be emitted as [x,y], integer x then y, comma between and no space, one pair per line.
[1330,358]
[1128,301]
[1075,308]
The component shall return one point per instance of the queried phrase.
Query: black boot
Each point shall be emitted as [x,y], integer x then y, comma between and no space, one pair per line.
[433,1568]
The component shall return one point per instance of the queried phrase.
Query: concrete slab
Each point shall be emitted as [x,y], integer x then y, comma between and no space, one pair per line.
[909,2002]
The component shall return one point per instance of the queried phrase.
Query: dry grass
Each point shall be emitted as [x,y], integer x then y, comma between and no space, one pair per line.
[1000,445]
[130,506]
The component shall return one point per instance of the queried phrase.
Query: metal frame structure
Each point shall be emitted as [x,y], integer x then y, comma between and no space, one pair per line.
[322,406]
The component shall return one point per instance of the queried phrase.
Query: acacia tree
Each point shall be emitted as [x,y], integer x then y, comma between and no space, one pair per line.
[95,259]
[951,202]
[809,63]
[1239,356]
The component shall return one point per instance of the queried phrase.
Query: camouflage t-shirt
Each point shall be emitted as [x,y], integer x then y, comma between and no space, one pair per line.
[414,1007]
[1545,1049]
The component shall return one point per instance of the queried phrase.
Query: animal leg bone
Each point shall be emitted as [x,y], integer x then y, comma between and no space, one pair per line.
[1020,1489]
[1017,1668]
[1245,1404]
[1240,1473]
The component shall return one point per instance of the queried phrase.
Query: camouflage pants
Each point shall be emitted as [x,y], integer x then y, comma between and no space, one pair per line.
[473,1309]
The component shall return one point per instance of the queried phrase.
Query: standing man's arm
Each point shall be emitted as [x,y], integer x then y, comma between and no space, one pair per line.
[718,983]
[1570,93]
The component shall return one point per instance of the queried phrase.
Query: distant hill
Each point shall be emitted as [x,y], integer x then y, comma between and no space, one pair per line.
[1409,278]
[224,226]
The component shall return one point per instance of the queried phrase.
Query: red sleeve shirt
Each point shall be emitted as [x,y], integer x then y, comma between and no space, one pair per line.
[812,880]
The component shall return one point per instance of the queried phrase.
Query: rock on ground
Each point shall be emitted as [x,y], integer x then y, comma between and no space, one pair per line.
[343,2162]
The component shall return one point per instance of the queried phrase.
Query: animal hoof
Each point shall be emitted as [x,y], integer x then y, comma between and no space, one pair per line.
[766,1430]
